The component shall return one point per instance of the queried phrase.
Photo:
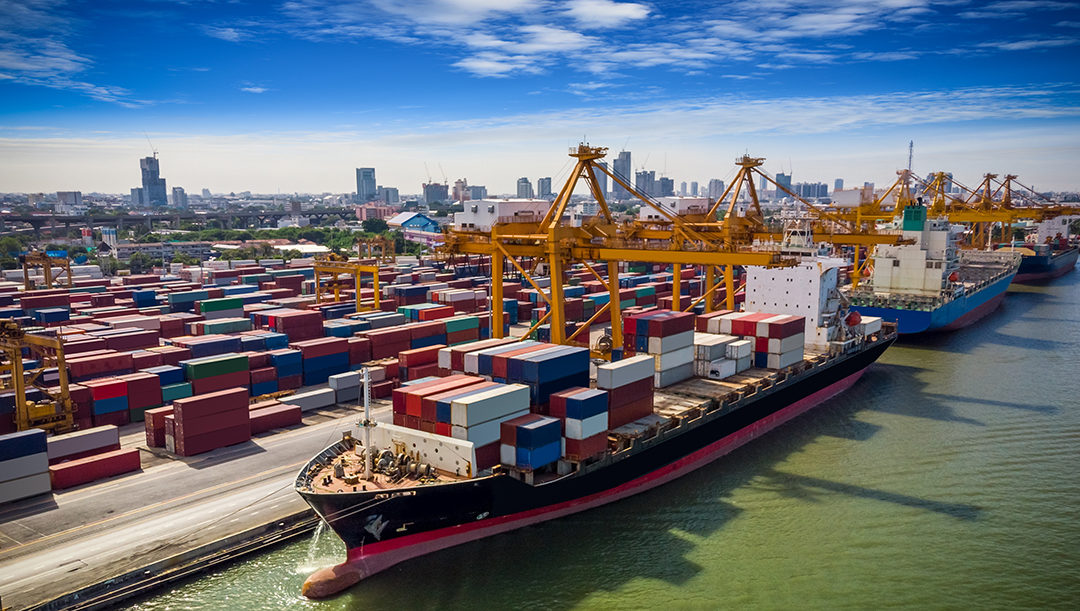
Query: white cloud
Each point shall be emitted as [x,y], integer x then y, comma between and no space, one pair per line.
[225,33]
[1027,45]
[254,89]
[606,13]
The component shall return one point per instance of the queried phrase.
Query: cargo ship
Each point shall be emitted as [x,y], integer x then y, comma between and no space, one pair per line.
[624,428]
[933,285]
[1042,262]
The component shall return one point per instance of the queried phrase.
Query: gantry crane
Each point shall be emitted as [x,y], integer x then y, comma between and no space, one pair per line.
[54,411]
[332,268]
[674,239]
[380,248]
[46,261]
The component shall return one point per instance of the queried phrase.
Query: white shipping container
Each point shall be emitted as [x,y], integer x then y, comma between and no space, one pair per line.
[489,405]
[762,328]
[787,359]
[740,349]
[314,399]
[871,324]
[780,346]
[444,358]
[349,379]
[68,444]
[667,377]
[376,374]
[483,433]
[349,394]
[24,466]
[744,363]
[583,429]
[671,343]
[722,368]
[709,346]
[724,322]
[508,454]
[25,487]
[671,360]
[626,371]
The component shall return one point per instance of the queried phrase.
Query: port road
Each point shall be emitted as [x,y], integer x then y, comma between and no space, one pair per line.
[50,546]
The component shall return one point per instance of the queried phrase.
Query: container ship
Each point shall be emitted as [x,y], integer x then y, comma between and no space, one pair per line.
[1042,262]
[933,285]
[512,433]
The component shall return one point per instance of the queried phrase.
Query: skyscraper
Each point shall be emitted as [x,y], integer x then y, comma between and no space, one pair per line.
[477,192]
[138,197]
[524,188]
[693,188]
[622,170]
[645,182]
[436,192]
[543,187]
[206,194]
[838,184]
[601,178]
[716,188]
[666,186]
[179,197]
[365,184]
[784,180]
[153,184]
[682,188]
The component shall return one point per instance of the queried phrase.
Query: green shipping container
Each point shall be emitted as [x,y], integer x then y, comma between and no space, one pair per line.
[461,323]
[197,369]
[629,303]
[217,305]
[172,392]
[645,291]
[226,325]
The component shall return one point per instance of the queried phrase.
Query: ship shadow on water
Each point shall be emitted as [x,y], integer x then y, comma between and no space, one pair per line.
[891,380]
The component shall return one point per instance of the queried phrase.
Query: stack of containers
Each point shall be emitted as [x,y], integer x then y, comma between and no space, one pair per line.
[629,384]
[263,380]
[452,359]
[584,413]
[297,324]
[424,334]
[215,373]
[81,444]
[420,362]
[671,341]
[346,386]
[462,329]
[710,356]
[155,425]
[110,401]
[388,342]
[289,365]
[407,401]
[184,301]
[206,422]
[221,325]
[438,407]
[144,298]
[279,415]
[322,358]
[780,341]
[143,392]
[359,350]
[478,418]
[24,465]
[549,370]
[78,471]
[530,442]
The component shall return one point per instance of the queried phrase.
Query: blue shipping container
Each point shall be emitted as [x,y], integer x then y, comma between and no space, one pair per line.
[536,458]
[23,443]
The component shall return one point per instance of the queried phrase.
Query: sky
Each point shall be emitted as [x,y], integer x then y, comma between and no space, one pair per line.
[272,96]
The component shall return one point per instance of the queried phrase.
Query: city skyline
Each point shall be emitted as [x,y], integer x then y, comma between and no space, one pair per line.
[259,97]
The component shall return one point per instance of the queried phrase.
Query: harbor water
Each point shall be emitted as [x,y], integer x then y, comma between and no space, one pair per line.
[946,478]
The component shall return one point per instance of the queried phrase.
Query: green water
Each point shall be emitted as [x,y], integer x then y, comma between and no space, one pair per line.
[946,478]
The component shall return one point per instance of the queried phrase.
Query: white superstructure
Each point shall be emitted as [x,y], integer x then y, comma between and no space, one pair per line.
[808,289]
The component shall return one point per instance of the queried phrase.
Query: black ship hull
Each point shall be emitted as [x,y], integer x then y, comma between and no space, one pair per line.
[381,529]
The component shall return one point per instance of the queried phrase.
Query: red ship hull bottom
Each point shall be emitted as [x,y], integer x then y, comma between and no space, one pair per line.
[370,559]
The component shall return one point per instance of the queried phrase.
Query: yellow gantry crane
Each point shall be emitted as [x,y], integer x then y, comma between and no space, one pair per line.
[672,239]
[54,411]
[332,268]
[380,248]
[46,261]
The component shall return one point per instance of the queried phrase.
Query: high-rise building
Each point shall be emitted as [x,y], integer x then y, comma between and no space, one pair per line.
[543,187]
[69,202]
[838,184]
[152,183]
[206,194]
[810,189]
[762,185]
[388,195]
[601,178]
[477,192]
[645,182]
[179,197]
[682,189]
[666,186]
[623,171]
[436,192]
[461,190]
[784,180]
[716,188]
[138,197]
[693,188]
[365,184]
[525,188]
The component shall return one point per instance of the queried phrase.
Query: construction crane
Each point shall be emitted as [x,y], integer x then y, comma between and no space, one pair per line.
[46,261]
[673,239]
[54,411]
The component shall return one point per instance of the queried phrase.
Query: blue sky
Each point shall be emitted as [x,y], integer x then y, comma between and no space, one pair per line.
[292,95]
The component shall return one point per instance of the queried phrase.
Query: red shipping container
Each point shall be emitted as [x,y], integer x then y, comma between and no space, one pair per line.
[290,382]
[265,374]
[412,422]
[381,390]
[487,456]
[381,350]
[761,344]
[276,417]
[428,404]
[442,428]
[421,371]
[173,354]
[790,325]
[747,325]
[436,313]
[92,468]
[391,335]
[426,329]
[629,412]
[143,390]
[581,449]
[465,335]
[399,419]
[413,398]
[631,392]
[427,426]
[106,388]
[237,379]
[80,393]
[115,418]
[211,441]
[359,350]
[702,321]
[670,324]
[79,344]
[189,427]
[202,405]
[155,426]
[557,403]
[258,360]
[420,356]
[323,346]
[508,428]
[399,394]
[142,359]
